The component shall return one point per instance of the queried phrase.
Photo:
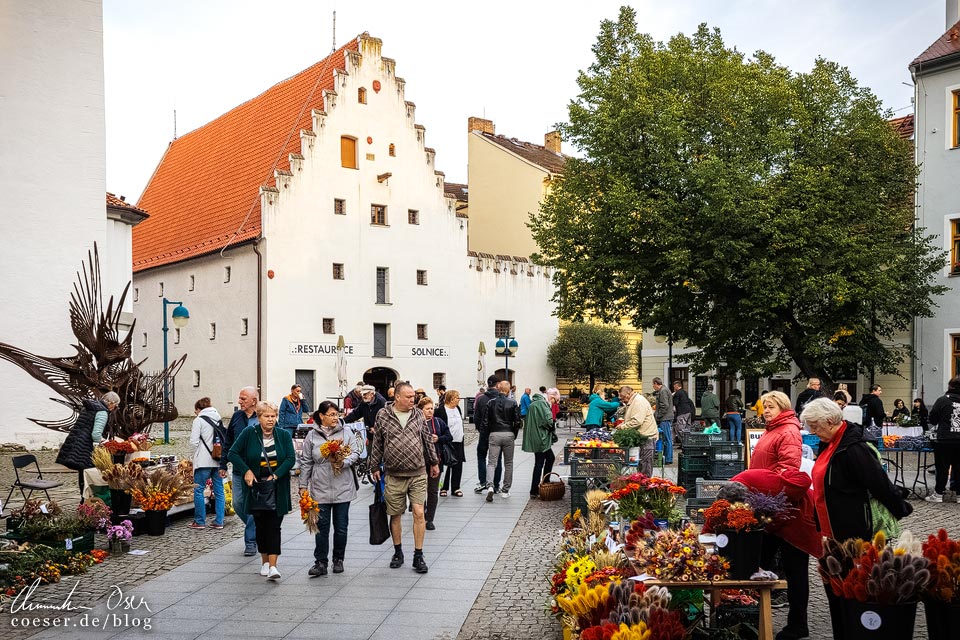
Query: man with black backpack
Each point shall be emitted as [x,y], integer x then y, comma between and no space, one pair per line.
[207,439]
[483,442]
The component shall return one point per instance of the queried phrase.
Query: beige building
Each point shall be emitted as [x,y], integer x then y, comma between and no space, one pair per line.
[507,180]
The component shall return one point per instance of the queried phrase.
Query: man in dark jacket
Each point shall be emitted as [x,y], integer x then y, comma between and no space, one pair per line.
[944,420]
[812,392]
[367,410]
[873,407]
[245,416]
[502,423]
[483,443]
[683,410]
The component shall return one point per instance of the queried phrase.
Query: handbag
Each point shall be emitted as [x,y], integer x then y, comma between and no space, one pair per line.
[263,493]
[883,520]
[450,454]
[379,528]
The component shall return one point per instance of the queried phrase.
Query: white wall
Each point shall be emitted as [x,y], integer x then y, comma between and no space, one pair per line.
[52,175]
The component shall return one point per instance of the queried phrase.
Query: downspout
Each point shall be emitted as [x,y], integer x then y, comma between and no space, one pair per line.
[917,362]
[256,250]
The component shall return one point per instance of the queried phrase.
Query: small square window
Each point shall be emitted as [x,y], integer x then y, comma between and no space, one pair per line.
[421,332]
[192,284]
[328,325]
[392,150]
[244,326]
[213,330]
[196,378]
[339,207]
[227,272]
[378,214]
[160,292]
[503,329]
[176,335]
[422,277]
[144,345]
[362,95]
[136,294]
[413,216]
[338,271]
[439,380]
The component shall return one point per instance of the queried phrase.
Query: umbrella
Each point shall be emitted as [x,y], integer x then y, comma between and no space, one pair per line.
[341,367]
[481,367]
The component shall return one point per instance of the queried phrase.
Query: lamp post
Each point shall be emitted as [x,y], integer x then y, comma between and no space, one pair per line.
[180,318]
[669,340]
[507,346]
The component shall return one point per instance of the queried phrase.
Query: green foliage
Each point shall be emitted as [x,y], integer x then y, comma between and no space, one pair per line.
[760,215]
[629,438]
[590,352]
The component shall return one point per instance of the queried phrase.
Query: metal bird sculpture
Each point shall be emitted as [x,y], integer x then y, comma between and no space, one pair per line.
[102,363]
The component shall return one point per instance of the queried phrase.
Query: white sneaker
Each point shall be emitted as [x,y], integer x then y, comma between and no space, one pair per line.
[274,574]
[934,497]
[265,569]
[504,494]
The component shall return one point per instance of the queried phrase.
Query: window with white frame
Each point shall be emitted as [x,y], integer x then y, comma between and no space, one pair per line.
[503,329]
[413,216]
[383,285]
[381,340]
[339,207]
[421,332]
[329,326]
[338,271]
[422,277]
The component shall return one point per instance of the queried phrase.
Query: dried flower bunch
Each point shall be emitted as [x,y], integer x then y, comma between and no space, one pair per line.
[726,516]
[119,446]
[874,571]
[673,555]
[336,451]
[944,556]
[310,512]
[123,477]
[161,489]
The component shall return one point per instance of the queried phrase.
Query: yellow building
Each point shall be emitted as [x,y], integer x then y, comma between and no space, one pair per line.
[507,179]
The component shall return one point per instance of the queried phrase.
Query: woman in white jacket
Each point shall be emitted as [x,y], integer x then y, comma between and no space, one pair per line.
[205,438]
[333,491]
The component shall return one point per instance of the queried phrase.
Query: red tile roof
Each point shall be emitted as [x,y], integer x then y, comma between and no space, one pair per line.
[205,191]
[535,153]
[455,190]
[903,126]
[946,45]
[113,202]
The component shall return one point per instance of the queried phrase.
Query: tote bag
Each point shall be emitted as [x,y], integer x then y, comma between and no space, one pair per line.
[379,529]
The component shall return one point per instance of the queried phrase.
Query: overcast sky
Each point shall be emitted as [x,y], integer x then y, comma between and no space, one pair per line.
[514,62]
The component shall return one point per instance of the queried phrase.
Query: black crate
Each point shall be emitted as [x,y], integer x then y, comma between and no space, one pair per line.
[726,451]
[694,439]
[694,464]
[572,451]
[708,488]
[695,451]
[730,615]
[605,469]
[724,470]
[693,507]
[688,480]
[578,495]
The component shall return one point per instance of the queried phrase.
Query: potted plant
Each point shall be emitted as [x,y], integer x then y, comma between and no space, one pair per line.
[879,585]
[118,536]
[119,477]
[46,523]
[630,440]
[739,535]
[157,492]
[941,600]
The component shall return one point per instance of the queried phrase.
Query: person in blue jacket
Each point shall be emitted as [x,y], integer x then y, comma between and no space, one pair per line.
[291,410]
[597,408]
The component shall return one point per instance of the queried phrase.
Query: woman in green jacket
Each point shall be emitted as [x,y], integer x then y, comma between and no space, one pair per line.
[538,434]
[260,453]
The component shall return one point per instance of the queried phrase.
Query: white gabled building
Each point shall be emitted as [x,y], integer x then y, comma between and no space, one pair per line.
[280,234]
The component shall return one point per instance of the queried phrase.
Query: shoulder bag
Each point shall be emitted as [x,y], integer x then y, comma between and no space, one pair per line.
[263,493]
[379,528]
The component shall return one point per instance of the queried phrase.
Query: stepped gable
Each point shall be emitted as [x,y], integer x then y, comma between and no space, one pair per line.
[535,153]
[202,191]
[947,45]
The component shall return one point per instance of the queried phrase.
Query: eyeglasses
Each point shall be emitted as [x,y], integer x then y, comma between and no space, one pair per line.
[331,415]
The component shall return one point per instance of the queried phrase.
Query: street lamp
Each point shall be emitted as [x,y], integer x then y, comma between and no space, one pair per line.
[669,340]
[507,346]
[180,318]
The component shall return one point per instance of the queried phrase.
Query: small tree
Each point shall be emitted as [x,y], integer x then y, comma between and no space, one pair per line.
[590,352]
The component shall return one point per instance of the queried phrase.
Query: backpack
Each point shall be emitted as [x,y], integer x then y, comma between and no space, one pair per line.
[216,450]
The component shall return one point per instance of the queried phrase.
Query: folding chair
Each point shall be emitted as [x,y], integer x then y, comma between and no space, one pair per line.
[33,484]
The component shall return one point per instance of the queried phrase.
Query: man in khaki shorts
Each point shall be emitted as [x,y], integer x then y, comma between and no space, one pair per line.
[402,443]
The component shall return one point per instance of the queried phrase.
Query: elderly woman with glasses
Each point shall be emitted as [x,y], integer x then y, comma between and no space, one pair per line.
[76,452]
[845,477]
[333,490]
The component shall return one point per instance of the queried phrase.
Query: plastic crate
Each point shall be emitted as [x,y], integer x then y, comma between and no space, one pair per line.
[694,439]
[708,488]
[727,451]
[811,440]
[724,470]
[694,464]
[695,452]
[693,507]
[578,495]
[730,615]
[595,468]
[688,480]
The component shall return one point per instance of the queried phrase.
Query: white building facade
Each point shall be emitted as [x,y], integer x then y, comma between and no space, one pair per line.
[358,240]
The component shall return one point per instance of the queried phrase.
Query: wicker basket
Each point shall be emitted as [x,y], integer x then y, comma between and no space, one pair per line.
[550,491]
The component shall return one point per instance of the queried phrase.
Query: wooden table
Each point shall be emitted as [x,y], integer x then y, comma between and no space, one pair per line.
[764,587]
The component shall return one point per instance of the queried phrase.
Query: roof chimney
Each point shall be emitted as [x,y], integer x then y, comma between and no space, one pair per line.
[551,141]
[953,12]
[485,126]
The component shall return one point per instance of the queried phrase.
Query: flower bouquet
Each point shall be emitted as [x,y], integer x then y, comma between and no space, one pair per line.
[941,601]
[94,514]
[336,451]
[119,536]
[309,512]
[877,579]
[739,535]
[679,556]
[638,494]
[119,446]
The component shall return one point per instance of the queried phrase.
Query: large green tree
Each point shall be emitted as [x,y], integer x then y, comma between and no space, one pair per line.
[762,216]
[590,352]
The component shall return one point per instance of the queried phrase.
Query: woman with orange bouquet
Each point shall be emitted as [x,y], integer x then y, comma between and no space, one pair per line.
[327,485]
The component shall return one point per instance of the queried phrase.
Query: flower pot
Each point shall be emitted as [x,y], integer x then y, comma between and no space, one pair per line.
[119,546]
[943,620]
[120,502]
[742,551]
[156,522]
[139,523]
[119,458]
[662,523]
[871,620]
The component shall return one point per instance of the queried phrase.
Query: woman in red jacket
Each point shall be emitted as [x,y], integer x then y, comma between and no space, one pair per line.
[779,450]
[781,445]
